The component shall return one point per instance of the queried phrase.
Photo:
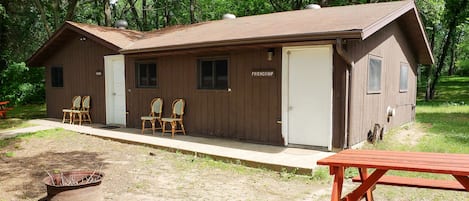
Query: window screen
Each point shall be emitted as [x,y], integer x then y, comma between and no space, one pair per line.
[213,74]
[403,78]
[57,78]
[374,75]
[146,75]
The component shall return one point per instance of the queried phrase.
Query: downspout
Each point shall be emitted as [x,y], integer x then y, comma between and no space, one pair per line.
[341,51]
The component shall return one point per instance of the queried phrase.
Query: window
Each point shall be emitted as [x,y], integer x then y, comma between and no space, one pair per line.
[57,78]
[374,74]
[403,79]
[146,75]
[213,73]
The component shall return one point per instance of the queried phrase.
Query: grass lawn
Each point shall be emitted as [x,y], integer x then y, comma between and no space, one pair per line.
[444,121]
[442,125]
[19,116]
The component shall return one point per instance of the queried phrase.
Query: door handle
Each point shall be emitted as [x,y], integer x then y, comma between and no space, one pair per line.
[114,94]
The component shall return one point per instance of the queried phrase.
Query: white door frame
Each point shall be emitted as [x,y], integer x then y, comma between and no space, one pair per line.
[110,93]
[285,88]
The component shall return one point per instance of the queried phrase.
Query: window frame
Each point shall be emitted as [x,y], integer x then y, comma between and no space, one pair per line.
[138,78]
[407,66]
[374,57]
[214,76]
[57,83]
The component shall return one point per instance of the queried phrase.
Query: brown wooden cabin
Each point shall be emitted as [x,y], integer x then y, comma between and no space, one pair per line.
[318,78]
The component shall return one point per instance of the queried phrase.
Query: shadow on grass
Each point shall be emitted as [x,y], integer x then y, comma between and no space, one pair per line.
[25,174]
[451,130]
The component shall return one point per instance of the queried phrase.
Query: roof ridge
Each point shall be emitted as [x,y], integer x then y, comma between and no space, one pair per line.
[386,19]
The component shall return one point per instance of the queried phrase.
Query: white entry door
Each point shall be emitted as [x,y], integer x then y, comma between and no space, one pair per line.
[115,89]
[307,95]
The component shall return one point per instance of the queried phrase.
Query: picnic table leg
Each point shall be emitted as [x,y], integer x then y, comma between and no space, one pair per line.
[364,175]
[338,182]
[464,180]
[366,185]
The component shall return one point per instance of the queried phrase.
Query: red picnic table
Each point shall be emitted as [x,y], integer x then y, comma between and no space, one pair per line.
[456,165]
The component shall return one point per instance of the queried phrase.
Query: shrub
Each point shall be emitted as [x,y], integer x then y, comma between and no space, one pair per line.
[21,85]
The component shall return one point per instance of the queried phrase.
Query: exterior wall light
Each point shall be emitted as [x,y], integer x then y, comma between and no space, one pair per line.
[270,54]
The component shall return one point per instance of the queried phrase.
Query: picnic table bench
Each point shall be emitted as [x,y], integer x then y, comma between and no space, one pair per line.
[456,165]
[4,109]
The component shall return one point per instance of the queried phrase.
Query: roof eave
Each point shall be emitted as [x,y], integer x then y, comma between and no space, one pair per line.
[349,34]
[32,61]
[378,25]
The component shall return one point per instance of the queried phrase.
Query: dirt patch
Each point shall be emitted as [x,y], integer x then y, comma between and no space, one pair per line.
[410,134]
[132,173]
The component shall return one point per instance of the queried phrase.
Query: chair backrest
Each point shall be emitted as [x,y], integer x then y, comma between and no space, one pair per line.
[76,102]
[85,104]
[156,107]
[178,107]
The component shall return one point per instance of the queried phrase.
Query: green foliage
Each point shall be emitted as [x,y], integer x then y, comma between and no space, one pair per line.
[21,85]
[462,64]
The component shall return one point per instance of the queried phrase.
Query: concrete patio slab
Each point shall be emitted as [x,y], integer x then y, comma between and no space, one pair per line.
[255,155]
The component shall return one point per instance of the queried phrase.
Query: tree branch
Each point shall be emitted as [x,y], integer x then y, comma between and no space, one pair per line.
[43,17]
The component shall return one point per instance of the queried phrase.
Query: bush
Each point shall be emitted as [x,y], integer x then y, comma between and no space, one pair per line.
[463,68]
[21,85]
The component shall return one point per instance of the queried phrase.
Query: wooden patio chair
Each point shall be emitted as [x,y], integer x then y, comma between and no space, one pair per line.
[73,111]
[85,110]
[155,114]
[176,118]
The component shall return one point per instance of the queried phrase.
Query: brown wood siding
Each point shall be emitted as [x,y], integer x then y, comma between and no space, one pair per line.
[367,109]
[80,61]
[249,112]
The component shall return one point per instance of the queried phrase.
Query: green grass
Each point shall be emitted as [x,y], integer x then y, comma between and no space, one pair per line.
[452,90]
[18,117]
[446,118]
[444,121]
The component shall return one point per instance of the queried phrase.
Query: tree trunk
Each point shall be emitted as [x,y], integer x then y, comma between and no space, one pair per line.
[192,11]
[144,15]
[135,14]
[323,3]
[452,59]
[452,25]
[97,15]
[157,17]
[107,13]
[3,41]
[454,54]
[72,4]
[167,16]
[56,12]
[43,17]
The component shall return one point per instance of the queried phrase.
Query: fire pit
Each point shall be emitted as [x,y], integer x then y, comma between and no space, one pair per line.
[74,186]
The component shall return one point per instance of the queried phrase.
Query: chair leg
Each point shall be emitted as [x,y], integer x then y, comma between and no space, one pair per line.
[63,119]
[80,117]
[173,128]
[89,117]
[153,126]
[70,115]
[161,124]
[163,128]
[182,127]
[143,126]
